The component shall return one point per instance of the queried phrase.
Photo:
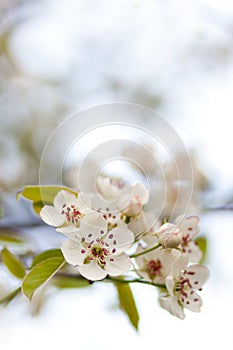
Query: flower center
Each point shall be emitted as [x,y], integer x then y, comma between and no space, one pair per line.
[97,250]
[71,213]
[154,268]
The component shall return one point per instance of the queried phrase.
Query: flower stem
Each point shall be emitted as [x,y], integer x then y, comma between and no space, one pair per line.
[145,251]
[136,280]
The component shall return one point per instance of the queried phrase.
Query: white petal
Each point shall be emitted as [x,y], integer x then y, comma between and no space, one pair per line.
[67,229]
[188,225]
[179,264]
[140,190]
[142,259]
[193,252]
[120,238]
[141,224]
[197,275]
[72,252]
[71,232]
[171,304]
[170,284]
[51,216]
[120,264]
[83,204]
[193,302]
[93,224]
[64,197]
[150,237]
[92,271]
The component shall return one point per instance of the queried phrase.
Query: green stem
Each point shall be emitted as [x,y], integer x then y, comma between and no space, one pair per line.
[145,251]
[136,280]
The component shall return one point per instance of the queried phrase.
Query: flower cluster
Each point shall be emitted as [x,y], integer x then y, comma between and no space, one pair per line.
[98,242]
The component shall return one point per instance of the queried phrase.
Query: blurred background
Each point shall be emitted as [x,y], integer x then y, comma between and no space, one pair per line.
[60,57]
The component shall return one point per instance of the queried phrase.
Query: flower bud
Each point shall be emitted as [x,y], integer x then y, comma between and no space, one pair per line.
[134,207]
[169,235]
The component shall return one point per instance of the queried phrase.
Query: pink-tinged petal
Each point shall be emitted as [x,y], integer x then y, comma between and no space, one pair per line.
[64,197]
[169,235]
[134,208]
[73,252]
[171,304]
[93,226]
[92,271]
[120,238]
[193,302]
[193,252]
[142,192]
[51,216]
[188,225]
[117,264]
[197,275]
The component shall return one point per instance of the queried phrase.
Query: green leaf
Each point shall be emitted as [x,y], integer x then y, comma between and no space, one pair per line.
[127,303]
[41,195]
[9,297]
[70,282]
[9,235]
[202,244]
[52,253]
[13,264]
[37,206]
[40,274]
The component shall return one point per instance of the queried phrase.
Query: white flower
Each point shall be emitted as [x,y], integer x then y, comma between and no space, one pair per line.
[139,197]
[181,285]
[189,227]
[156,265]
[97,252]
[68,210]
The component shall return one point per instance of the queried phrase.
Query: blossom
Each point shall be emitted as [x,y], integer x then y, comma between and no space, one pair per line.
[137,199]
[156,265]
[96,251]
[68,210]
[182,283]
[178,235]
